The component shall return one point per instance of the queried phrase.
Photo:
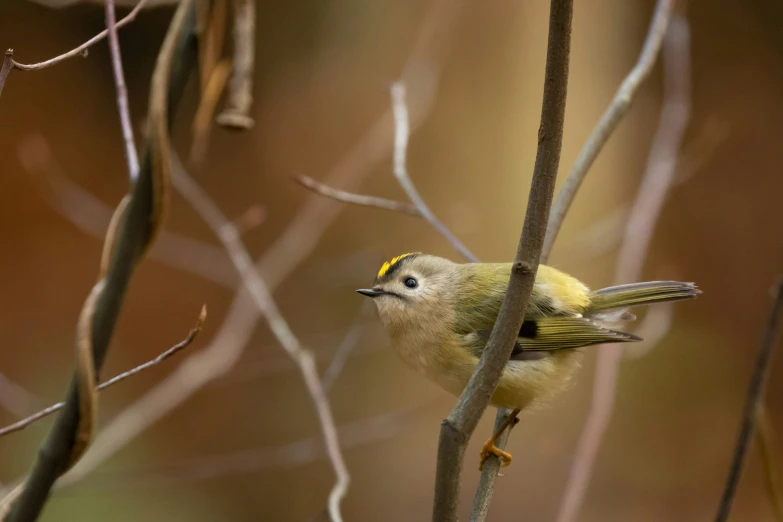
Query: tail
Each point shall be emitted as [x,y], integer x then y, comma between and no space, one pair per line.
[635,294]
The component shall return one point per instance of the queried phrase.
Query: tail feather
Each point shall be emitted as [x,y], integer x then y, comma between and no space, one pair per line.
[635,294]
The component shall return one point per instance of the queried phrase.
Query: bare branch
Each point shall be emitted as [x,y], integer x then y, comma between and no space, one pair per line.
[287,253]
[356,199]
[461,422]
[8,64]
[262,298]
[755,394]
[609,122]
[655,186]
[401,135]
[236,115]
[122,93]
[22,424]
[81,50]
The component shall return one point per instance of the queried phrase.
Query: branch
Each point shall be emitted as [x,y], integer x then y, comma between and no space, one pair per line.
[656,184]
[460,424]
[285,254]
[753,399]
[609,122]
[122,93]
[22,424]
[236,115]
[8,64]
[132,229]
[262,298]
[356,199]
[401,134]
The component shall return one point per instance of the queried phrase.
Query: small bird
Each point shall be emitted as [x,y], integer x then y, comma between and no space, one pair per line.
[439,314]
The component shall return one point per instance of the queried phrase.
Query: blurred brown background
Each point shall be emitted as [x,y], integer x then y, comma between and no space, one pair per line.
[323,71]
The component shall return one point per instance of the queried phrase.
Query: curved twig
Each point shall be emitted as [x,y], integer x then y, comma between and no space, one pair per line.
[608,123]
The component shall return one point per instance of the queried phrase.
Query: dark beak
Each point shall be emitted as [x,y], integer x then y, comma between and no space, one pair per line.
[371,292]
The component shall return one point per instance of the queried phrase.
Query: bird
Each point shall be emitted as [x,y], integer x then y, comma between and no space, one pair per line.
[439,314]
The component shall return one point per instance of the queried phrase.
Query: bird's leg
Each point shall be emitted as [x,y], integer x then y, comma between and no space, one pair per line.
[489,447]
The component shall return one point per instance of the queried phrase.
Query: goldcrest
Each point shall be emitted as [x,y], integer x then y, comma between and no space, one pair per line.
[439,314]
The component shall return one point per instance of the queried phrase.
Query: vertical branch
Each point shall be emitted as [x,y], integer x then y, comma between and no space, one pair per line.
[5,69]
[240,95]
[650,199]
[462,421]
[122,93]
[755,392]
[609,122]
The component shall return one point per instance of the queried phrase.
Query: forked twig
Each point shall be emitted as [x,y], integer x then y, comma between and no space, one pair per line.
[401,136]
[609,122]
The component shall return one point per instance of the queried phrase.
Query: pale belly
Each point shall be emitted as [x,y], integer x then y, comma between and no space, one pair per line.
[522,384]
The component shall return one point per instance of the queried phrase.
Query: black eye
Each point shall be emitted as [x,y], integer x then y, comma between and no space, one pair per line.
[411,283]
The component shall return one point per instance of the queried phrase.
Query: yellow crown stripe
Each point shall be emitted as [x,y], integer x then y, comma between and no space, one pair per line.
[388,264]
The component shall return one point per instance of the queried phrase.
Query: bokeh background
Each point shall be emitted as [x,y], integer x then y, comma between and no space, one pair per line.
[246,446]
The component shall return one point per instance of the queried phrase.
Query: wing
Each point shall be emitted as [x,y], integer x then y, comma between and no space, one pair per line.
[539,336]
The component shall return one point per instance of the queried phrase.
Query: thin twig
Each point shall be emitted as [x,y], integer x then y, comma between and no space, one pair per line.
[347,346]
[765,438]
[462,421]
[236,115]
[401,135]
[8,64]
[609,122]
[655,186]
[80,50]
[262,297]
[285,254]
[122,93]
[356,199]
[753,398]
[22,424]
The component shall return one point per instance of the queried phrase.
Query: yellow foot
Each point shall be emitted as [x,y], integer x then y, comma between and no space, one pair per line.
[490,448]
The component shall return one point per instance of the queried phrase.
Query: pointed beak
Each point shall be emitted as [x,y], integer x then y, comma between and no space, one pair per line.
[371,292]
